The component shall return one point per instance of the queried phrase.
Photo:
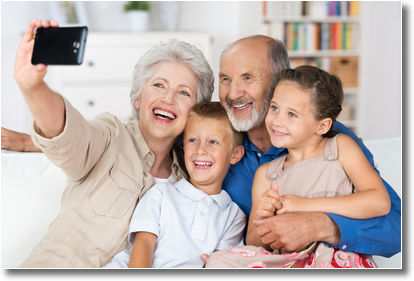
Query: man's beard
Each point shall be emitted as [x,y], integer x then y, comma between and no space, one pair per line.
[257,117]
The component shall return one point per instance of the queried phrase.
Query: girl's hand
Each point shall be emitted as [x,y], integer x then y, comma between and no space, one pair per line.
[292,203]
[269,203]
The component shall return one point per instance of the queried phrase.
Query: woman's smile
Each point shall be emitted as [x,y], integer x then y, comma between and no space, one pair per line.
[164,115]
[165,101]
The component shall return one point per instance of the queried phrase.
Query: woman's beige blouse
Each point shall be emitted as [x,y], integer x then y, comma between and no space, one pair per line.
[107,164]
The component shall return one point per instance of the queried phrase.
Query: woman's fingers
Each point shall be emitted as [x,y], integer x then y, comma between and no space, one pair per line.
[28,35]
[54,23]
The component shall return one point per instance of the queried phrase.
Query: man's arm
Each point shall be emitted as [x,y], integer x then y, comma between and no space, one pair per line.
[17,141]
[377,236]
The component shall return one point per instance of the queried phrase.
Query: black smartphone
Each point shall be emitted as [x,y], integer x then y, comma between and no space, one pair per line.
[59,45]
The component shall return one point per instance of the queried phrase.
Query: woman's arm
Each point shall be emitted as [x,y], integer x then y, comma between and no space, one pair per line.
[66,138]
[46,106]
[143,250]
[370,201]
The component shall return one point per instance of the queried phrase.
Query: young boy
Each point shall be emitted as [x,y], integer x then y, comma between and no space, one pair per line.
[175,223]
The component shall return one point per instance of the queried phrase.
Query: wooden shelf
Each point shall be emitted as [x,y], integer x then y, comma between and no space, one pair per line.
[328,19]
[286,21]
[327,53]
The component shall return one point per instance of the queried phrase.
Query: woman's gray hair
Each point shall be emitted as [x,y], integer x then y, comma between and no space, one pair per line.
[178,52]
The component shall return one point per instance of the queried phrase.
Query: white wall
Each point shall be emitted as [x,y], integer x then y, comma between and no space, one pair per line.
[227,21]
[15,17]
[381,68]
[216,19]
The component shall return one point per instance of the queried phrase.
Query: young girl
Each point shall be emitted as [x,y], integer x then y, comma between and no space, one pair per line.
[323,172]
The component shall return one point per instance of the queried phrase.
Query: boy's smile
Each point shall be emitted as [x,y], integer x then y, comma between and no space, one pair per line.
[203,165]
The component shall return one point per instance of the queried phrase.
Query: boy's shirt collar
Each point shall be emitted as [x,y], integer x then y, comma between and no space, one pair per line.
[222,199]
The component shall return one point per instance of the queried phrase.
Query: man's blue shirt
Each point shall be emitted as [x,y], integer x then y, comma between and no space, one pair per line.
[377,236]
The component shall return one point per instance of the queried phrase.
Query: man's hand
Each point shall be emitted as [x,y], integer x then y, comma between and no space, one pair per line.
[17,141]
[291,232]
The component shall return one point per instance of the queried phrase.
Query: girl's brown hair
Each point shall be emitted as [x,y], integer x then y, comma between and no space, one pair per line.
[326,93]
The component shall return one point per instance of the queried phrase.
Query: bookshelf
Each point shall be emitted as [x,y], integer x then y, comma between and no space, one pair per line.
[325,34]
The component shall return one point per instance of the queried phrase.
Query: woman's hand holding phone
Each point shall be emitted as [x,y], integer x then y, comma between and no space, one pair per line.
[46,106]
[27,75]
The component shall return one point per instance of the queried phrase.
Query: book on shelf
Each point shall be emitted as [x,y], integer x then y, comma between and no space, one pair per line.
[312,9]
[314,36]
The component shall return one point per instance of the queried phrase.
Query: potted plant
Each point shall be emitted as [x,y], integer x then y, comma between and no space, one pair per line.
[138,14]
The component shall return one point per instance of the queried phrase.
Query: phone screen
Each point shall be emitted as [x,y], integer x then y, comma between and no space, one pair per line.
[59,45]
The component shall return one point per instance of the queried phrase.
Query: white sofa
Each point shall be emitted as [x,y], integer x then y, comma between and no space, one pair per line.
[31,189]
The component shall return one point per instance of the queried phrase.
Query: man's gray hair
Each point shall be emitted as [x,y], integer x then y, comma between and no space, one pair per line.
[178,52]
[277,56]
[278,60]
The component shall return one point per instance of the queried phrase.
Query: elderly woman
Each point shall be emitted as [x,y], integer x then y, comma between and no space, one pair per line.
[110,165]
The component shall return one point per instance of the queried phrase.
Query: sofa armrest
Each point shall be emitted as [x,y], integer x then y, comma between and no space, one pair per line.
[388,160]
[31,191]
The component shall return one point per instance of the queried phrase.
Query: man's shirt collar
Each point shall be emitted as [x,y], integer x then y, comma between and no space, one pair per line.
[249,146]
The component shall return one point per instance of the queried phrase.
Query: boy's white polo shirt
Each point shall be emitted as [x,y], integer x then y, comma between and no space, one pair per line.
[187,222]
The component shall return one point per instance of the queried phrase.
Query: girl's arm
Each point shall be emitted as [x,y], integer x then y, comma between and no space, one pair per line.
[370,201]
[261,188]
[143,250]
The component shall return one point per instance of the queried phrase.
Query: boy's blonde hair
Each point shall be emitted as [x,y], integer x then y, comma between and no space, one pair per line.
[214,111]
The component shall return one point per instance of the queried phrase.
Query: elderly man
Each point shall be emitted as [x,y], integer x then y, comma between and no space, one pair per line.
[248,69]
